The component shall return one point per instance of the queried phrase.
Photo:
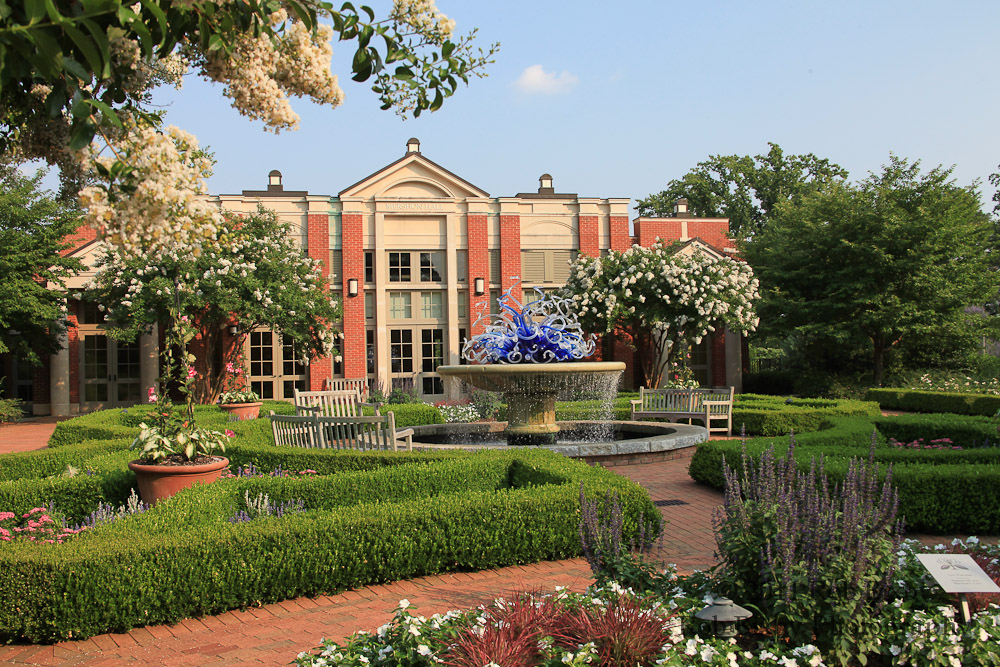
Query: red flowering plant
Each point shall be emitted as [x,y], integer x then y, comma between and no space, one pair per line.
[173,437]
[235,387]
[39,524]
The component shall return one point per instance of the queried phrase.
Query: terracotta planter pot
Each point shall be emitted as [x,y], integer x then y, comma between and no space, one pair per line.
[157,482]
[241,411]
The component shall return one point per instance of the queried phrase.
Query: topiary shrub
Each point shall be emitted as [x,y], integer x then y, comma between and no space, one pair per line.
[920,400]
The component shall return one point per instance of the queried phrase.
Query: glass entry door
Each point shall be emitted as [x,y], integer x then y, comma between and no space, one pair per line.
[109,373]
[274,371]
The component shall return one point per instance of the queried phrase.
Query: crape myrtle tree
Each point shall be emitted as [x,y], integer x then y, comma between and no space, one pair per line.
[251,274]
[742,188]
[72,71]
[33,231]
[661,299]
[896,257]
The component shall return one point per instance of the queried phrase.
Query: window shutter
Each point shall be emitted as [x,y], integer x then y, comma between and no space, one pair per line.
[561,265]
[495,266]
[336,267]
[533,266]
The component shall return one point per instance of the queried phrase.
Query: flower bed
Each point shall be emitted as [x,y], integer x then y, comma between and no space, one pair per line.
[367,517]
[941,491]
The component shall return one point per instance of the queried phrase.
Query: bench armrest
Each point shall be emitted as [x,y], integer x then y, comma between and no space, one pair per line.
[635,402]
[375,406]
[716,403]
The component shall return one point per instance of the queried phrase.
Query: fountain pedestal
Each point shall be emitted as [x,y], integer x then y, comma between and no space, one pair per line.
[531,390]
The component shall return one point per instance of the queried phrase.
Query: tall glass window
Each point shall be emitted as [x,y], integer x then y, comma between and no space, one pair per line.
[399,306]
[399,267]
[431,266]
[431,305]
[401,350]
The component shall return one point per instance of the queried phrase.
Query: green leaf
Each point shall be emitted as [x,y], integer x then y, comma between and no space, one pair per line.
[108,113]
[76,69]
[157,13]
[88,49]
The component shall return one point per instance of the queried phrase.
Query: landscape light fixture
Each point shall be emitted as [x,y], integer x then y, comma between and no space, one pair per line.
[480,286]
[352,287]
[232,330]
[723,614]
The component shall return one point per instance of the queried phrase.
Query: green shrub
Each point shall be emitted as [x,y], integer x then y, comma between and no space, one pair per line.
[10,410]
[918,400]
[414,414]
[397,521]
[963,430]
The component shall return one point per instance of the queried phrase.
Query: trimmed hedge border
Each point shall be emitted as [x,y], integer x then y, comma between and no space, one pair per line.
[940,491]
[921,400]
[371,517]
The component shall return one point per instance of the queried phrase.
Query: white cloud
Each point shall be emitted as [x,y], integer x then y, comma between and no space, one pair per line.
[535,80]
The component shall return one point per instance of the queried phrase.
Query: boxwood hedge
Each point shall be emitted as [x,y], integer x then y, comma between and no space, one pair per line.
[919,400]
[370,517]
[941,491]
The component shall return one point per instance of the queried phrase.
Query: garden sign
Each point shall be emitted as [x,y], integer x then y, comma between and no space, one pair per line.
[958,573]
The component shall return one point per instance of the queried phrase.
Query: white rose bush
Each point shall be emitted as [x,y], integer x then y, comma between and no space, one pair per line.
[660,300]
[251,273]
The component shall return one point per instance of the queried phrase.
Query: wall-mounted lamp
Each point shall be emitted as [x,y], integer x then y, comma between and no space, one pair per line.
[232,330]
[480,286]
[352,287]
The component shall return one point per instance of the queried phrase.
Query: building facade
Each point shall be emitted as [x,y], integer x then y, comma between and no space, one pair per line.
[417,253]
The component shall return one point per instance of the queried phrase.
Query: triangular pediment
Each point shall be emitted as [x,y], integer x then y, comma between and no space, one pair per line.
[413,177]
[88,254]
[696,246]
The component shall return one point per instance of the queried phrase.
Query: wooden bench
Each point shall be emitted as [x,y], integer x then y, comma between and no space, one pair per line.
[362,433]
[346,384]
[710,405]
[332,403]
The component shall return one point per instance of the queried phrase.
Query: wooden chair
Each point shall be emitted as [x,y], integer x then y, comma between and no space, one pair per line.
[346,384]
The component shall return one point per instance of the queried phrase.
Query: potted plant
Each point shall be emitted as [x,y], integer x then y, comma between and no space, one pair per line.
[175,452]
[237,398]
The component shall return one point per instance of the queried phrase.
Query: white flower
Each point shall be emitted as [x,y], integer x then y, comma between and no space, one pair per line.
[404,603]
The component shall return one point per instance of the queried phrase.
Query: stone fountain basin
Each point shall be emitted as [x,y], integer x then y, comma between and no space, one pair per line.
[530,377]
[628,437]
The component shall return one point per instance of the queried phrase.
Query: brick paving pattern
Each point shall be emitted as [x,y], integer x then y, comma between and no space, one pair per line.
[274,634]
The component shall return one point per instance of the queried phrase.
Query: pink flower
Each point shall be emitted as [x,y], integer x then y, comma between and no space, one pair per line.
[152,395]
[6,515]
[230,433]
[191,372]
[184,318]
[229,367]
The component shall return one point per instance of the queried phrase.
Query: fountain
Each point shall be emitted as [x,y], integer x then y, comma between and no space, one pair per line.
[530,354]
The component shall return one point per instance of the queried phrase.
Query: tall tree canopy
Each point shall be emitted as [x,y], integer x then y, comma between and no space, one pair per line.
[659,298]
[901,254]
[742,188]
[33,229]
[252,274]
[73,69]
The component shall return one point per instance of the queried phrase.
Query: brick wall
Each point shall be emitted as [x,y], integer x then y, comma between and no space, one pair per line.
[620,239]
[479,267]
[318,247]
[510,253]
[83,234]
[590,243]
[353,345]
[650,230]
[713,232]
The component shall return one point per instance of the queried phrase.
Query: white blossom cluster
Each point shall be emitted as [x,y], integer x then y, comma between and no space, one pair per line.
[659,288]
[424,17]
[259,72]
[156,204]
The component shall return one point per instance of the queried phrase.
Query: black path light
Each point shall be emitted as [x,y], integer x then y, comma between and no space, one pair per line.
[723,614]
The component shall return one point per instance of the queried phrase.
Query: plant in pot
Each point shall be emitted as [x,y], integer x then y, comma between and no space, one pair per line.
[237,398]
[175,452]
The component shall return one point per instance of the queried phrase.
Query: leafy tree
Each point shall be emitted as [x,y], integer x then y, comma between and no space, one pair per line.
[253,274]
[33,228]
[70,69]
[742,188]
[898,256]
[661,299]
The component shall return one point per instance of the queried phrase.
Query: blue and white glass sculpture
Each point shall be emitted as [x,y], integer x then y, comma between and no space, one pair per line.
[545,330]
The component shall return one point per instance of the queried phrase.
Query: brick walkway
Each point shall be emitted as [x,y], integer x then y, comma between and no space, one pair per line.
[275,634]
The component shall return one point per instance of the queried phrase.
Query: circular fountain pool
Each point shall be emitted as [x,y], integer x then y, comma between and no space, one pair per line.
[605,442]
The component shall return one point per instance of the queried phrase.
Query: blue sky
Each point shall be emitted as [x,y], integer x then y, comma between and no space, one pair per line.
[616,100]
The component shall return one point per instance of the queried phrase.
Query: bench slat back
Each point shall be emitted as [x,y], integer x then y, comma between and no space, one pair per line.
[346,384]
[330,403]
[294,431]
[363,433]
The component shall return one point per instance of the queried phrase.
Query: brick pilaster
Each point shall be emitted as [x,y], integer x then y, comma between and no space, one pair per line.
[73,341]
[479,267]
[353,345]
[318,248]
[510,253]
[620,239]
[590,243]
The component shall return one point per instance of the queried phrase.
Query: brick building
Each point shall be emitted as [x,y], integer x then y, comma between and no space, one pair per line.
[416,252]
